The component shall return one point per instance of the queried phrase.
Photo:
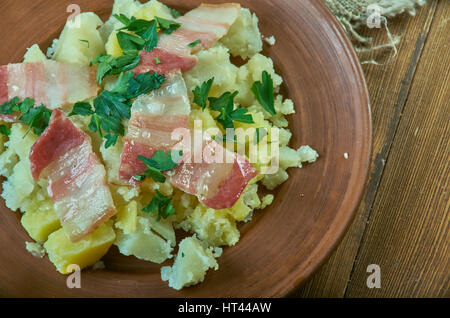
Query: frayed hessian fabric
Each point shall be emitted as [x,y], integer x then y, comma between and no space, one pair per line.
[352,14]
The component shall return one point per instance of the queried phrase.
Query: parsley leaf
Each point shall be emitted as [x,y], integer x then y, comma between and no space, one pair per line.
[157,61]
[122,18]
[111,140]
[129,42]
[81,108]
[159,163]
[4,130]
[109,65]
[10,106]
[195,43]
[26,105]
[175,13]
[147,30]
[150,36]
[161,205]
[263,92]
[225,105]
[201,93]
[167,26]
[144,83]
[37,118]
[111,104]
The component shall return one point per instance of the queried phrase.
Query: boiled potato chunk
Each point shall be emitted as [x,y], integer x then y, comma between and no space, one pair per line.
[144,243]
[62,252]
[126,218]
[244,39]
[42,221]
[192,262]
[80,45]
[34,54]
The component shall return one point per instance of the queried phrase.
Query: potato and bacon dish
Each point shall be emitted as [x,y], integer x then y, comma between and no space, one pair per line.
[101,136]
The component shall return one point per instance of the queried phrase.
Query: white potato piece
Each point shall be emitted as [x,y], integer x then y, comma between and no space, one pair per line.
[80,45]
[144,243]
[192,262]
[34,54]
[244,39]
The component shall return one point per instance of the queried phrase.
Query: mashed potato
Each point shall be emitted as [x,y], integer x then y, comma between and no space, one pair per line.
[134,232]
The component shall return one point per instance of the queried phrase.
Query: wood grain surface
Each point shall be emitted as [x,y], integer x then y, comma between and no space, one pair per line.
[403,222]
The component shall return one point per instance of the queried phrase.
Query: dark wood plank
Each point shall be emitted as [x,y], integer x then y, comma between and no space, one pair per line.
[408,231]
[389,87]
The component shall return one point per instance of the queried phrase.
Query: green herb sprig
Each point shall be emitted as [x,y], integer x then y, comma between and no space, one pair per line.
[263,92]
[37,118]
[110,108]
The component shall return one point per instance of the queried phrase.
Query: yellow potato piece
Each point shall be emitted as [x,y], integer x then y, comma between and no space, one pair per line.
[62,252]
[126,218]
[112,45]
[40,223]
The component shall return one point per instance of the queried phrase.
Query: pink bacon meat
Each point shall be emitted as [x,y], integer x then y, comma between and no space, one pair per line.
[76,179]
[207,23]
[218,180]
[51,83]
[153,119]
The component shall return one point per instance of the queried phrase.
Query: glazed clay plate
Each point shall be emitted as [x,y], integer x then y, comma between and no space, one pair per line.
[283,244]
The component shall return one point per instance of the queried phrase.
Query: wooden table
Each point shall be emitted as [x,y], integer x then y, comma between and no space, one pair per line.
[403,222]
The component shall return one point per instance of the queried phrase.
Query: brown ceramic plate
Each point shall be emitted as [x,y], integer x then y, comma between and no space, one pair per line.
[282,245]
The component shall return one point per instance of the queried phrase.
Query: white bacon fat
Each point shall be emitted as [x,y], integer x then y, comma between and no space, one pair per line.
[51,83]
[76,178]
[207,23]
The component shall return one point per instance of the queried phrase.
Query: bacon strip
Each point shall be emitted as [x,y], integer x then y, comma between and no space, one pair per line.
[76,178]
[217,183]
[218,180]
[207,23]
[51,83]
[153,118]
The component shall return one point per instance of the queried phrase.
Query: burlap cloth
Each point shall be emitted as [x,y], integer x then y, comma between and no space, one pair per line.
[354,15]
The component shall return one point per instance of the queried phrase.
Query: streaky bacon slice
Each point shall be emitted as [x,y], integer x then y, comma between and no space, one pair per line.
[218,180]
[76,178]
[51,83]
[154,117]
[207,23]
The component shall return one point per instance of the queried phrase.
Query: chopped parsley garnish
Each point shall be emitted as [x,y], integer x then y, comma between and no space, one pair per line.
[4,130]
[195,43]
[85,41]
[263,92]
[81,108]
[201,93]
[156,165]
[130,43]
[175,13]
[161,205]
[35,117]
[112,107]
[157,61]
[225,105]
[167,26]
[110,65]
